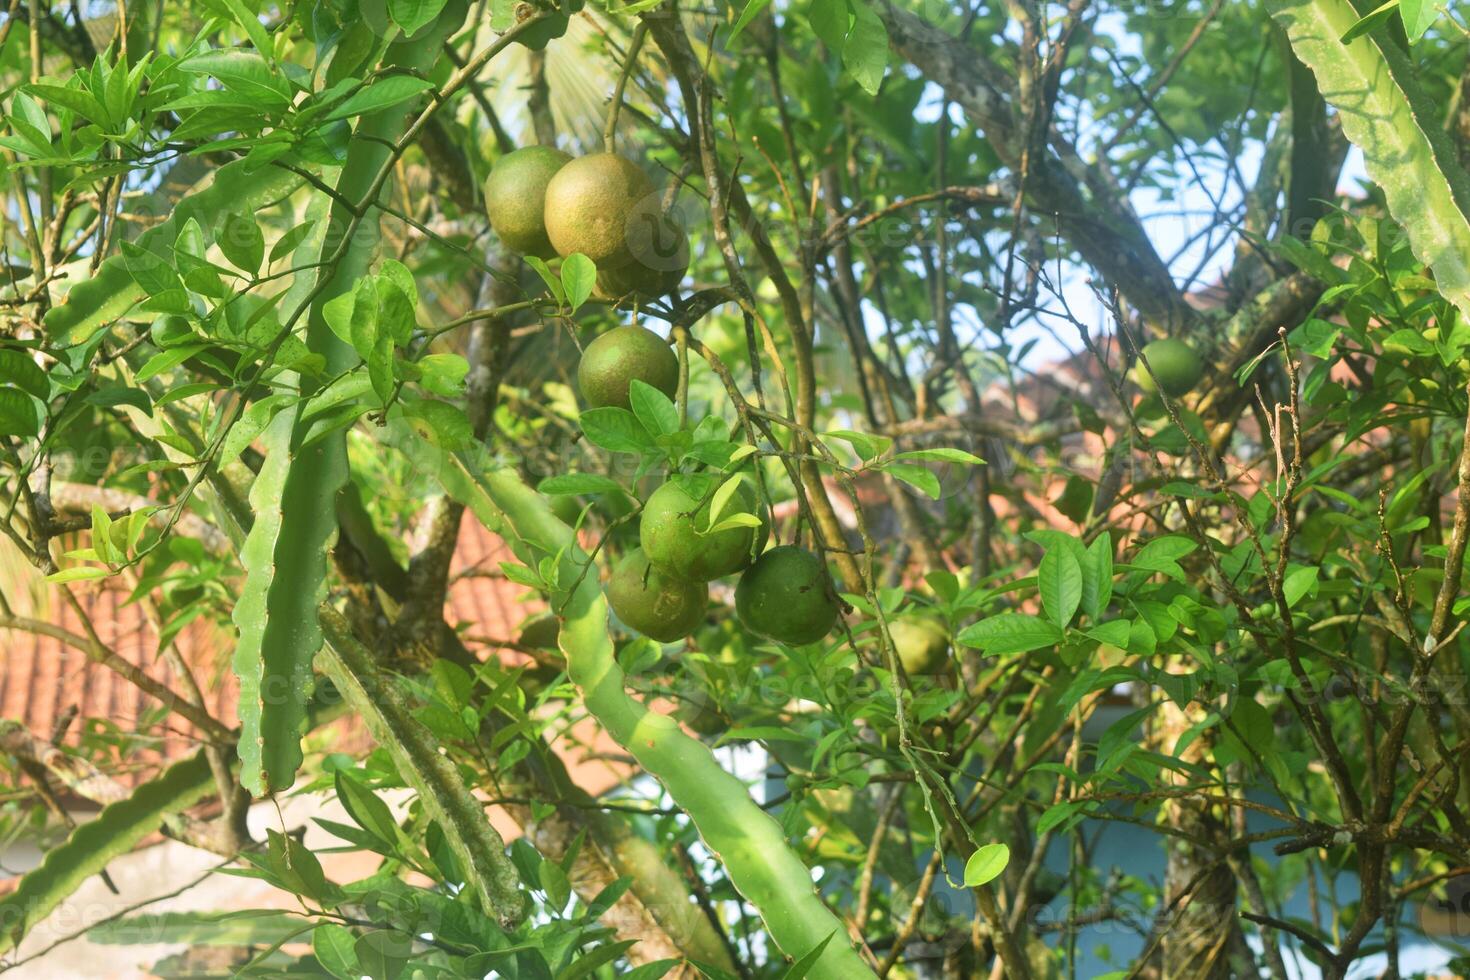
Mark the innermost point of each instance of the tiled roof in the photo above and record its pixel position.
(42, 678)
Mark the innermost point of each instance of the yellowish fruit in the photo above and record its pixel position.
(922, 644)
(588, 206)
(659, 247)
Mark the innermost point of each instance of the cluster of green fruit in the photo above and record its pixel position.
(661, 589)
(545, 203)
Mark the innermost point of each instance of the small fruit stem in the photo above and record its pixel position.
(609, 132)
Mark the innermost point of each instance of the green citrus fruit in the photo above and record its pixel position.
(675, 524)
(659, 606)
(588, 206)
(922, 644)
(660, 256)
(702, 717)
(612, 361)
(1175, 364)
(787, 596)
(515, 197)
(567, 508)
(540, 632)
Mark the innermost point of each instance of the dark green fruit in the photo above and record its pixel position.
(659, 606)
(787, 596)
(568, 509)
(674, 521)
(515, 197)
(922, 644)
(660, 250)
(702, 717)
(588, 206)
(540, 632)
(612, 361)
(1175, 364)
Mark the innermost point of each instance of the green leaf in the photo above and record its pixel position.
(101, 534)
(653, 408)
(803, 966)
(72, 97)
(18, 415)
(865, 52)
(253, 27)
(921, 479)
(986, 864)
(722, 497)
(830, 21)
(1097, 577)
(585, 964)
(380, 368)
(166, 360)
(547, 276)
(383, 953)
(113, 395)
(249, 927)
(1011, 633)
(240, 239)
(149, 271)
(365, 808)
(443, 374)
(752, 8)
(1162, 554)
(1419, 16)
(382, 94)
(735, 520)
(362, 329)
(1114, 632)
(866, 445)
(81, 573)
(578, 276)
(1375, 89)
(117, 829)
(942, 455)
(332, 945)
(288, 242)
(615, 429)
(412, 15)
(579, 483)
(243, 73)
(1370, 21)
(1298, 582)
(1059, 579)
(251, 423)
(19, 370)
(396, 317)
